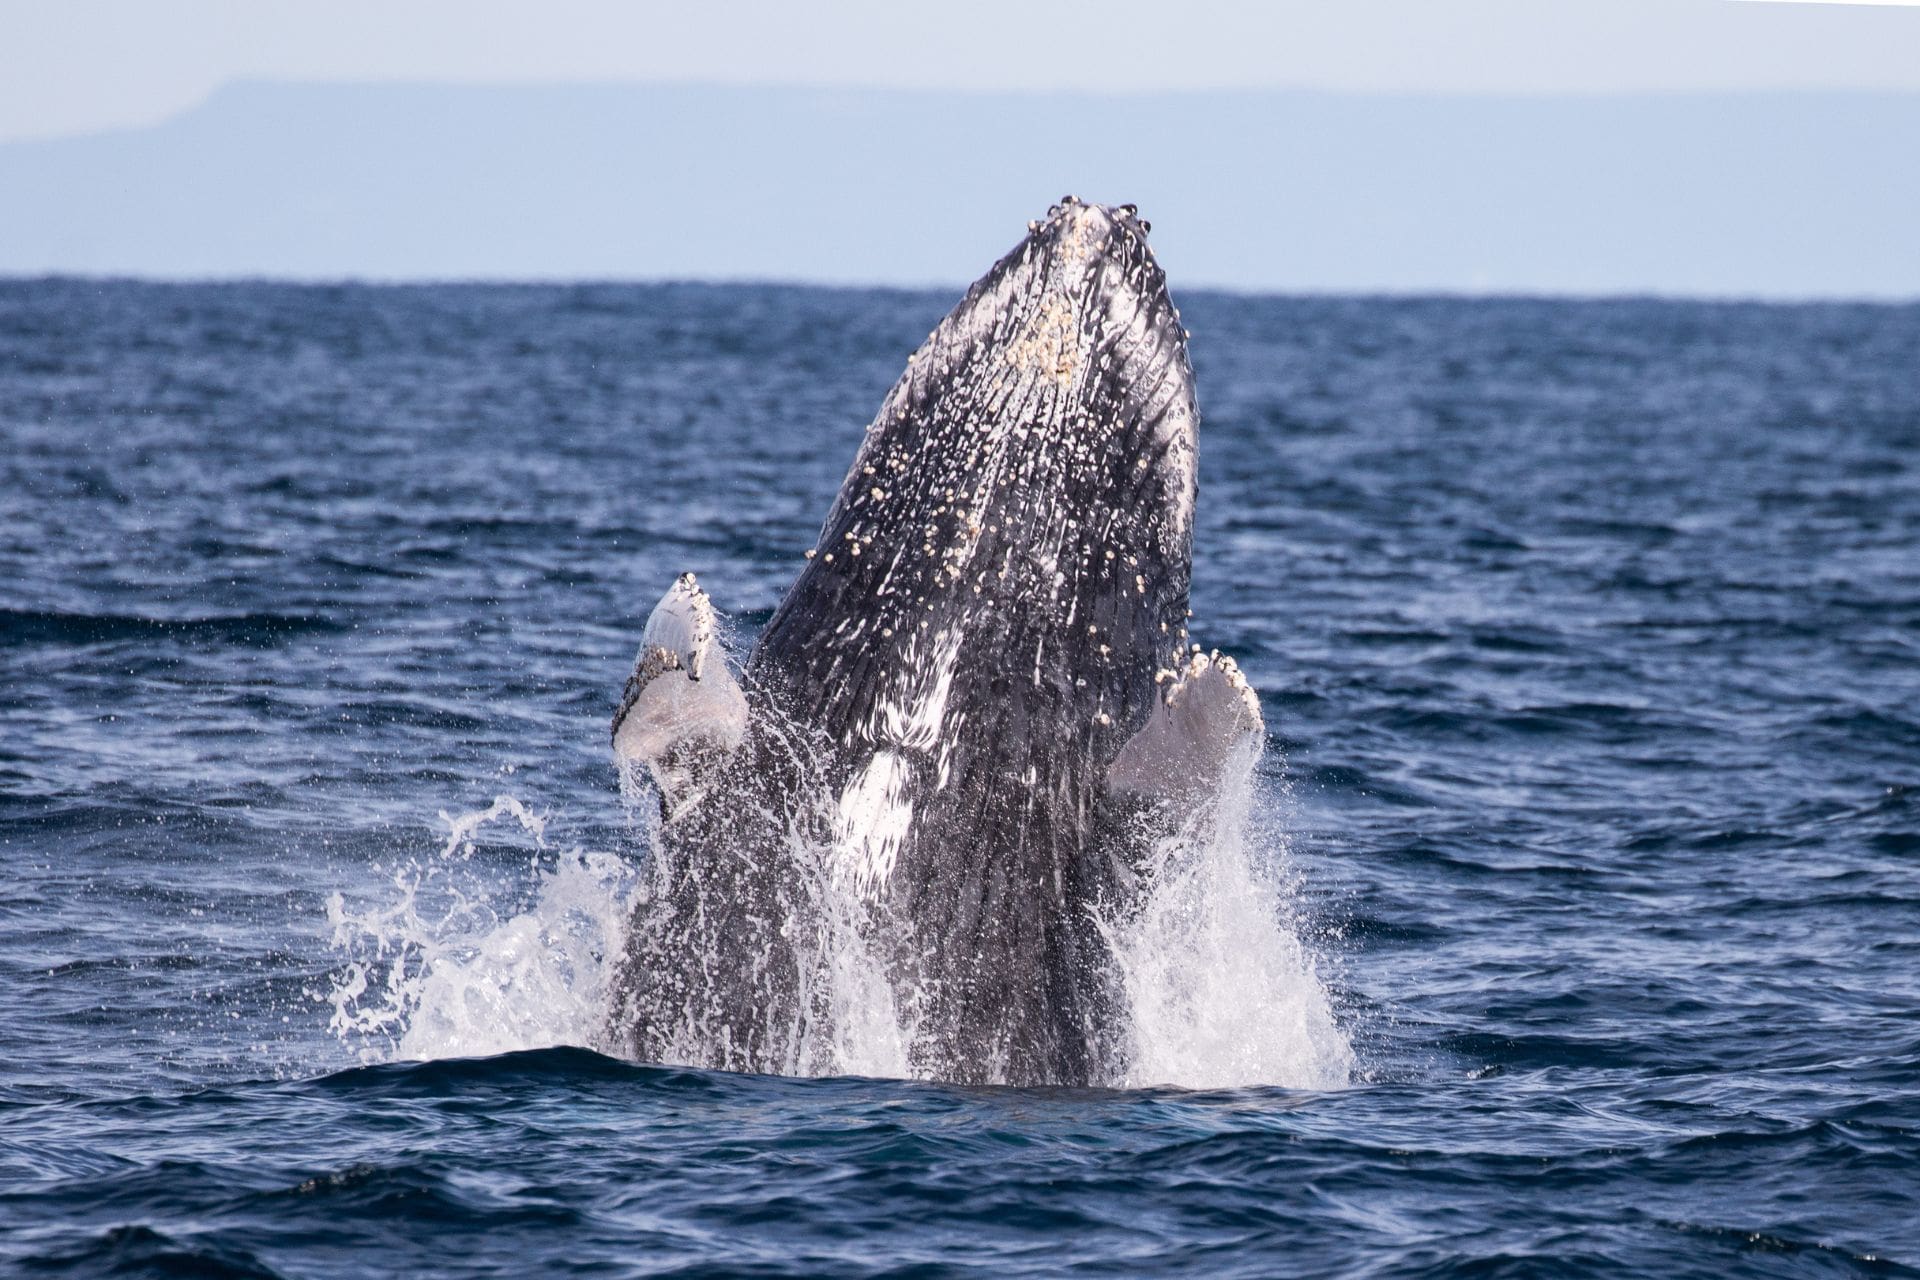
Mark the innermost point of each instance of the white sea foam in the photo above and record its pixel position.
(1221, 991)
(449, 969)
(852, 1022)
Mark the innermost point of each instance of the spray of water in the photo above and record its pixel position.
(449, 969)
(1219, 989)
(1220, 992)
(757, 956)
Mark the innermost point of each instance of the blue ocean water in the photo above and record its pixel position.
(1588, 635)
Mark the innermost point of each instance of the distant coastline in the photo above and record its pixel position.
(1748, 195)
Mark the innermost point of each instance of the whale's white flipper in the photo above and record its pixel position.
(1206, 711)
(683, 712)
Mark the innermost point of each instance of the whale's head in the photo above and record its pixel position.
(1018, 520)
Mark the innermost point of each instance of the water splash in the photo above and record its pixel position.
(466, 963)
(772, 907)
(1220, 991)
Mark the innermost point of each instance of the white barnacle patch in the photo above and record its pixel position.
(682, 625)
(1050, 348)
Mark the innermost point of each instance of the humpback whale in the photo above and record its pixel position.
(974, 712)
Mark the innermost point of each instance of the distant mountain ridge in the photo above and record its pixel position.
(1772, 195)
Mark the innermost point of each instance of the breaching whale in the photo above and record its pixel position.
(977, 707)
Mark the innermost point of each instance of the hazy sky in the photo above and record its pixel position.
(76, 66)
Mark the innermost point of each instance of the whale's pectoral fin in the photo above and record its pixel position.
(683, 712)
(1206, 712)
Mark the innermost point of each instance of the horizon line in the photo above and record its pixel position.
(1437, 294)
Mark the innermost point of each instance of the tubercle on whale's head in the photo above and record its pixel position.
(1086, 266)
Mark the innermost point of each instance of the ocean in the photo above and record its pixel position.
(1569, 924)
